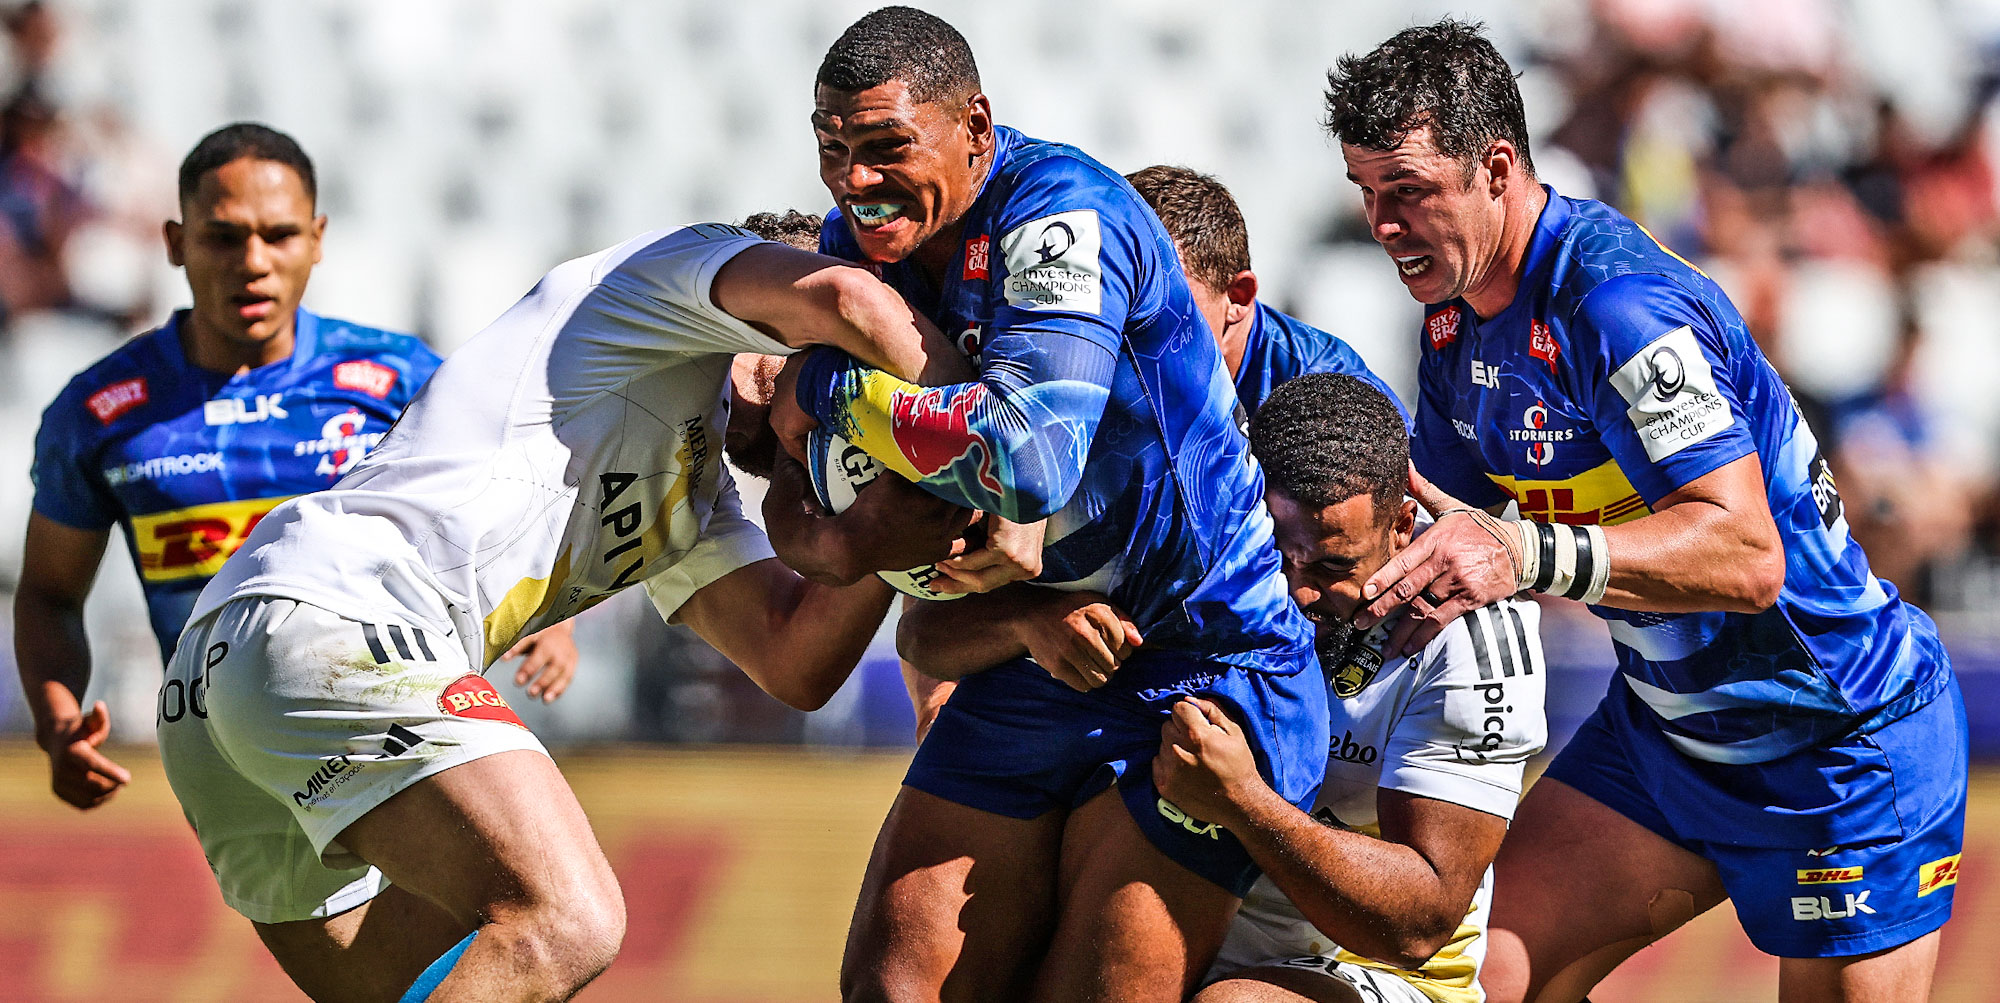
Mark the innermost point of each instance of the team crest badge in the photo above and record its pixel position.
(1350, 672)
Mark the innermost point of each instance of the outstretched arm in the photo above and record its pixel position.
(1710, 545)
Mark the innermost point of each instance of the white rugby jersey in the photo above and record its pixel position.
(571, 449)
(1456, 723)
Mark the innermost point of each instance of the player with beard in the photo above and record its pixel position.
(362, 794)
(1028, 854)
(1783, 731)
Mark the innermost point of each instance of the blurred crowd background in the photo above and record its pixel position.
(1831, 162)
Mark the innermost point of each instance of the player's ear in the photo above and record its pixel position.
(979, 124)
(319, 235)
(170, 233)
(1406, 522)
(1501, 163)
(1242, 295)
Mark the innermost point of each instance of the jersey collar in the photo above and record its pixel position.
(1542, 248)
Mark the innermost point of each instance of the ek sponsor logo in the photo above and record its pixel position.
(1485, 375)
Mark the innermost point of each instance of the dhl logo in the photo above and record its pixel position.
(1599, 496)
(1830, 876)
(1937, 874)
(194, 542)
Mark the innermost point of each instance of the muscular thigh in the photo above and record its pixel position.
(1134, 924)
(1578, 888)
(956, 904)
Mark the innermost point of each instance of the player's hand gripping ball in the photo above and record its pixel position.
(838, 469)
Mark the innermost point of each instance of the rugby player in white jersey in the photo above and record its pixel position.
(1382, 894)
(363, 795)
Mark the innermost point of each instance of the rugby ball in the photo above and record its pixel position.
(838, 469)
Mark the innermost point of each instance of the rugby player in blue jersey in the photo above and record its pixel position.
(1028, 854)
(1783, 730)
(185, 436)
(1262, 348)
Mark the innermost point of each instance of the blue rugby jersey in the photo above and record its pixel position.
(1618, 374)
(1282, 347)
(188, 460)
(1103, 405)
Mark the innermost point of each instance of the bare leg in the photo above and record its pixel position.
(1577, 889)
(498, 845)
(1135, 925)
(956, 904)
(1897, 975)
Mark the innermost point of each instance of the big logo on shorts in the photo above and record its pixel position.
(472, 696)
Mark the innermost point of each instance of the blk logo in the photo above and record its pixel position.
(1807, 907)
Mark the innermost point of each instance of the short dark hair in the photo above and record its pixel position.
(798, 229)
(1325, 437)
(901, 43)
(1445, 76)
(237, 140)
(1202, 217)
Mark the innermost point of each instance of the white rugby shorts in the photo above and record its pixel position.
(282, 723)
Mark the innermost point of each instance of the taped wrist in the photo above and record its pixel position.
(1568, 561)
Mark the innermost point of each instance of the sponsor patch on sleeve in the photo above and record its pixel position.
(1052, 263)
(1670, 390)
(107, 404)
(371, 378)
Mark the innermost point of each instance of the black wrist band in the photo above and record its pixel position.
(1586, 564)
(1546, 574)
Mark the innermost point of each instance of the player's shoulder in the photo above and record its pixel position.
(338, 334)
(1610, 268)
(139, 372)
(1497, 642)
(1039, 172)
(1316, 350)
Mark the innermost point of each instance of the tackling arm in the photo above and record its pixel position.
(803, 299)
(1397, 899)
(796, 639)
